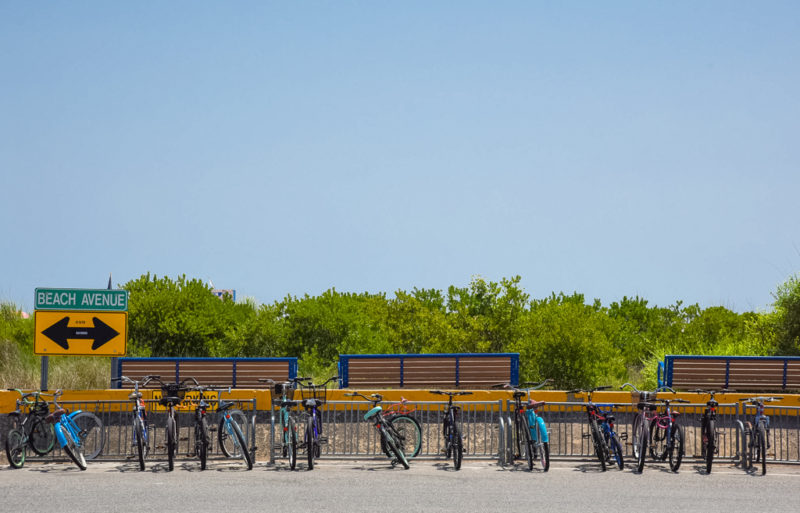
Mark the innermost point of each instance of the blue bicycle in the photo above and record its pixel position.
(313, 397)
(74, 430)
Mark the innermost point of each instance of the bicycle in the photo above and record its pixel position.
(453, 441)
(32, 430)
(288, 430)
(313, 397)
(141, 438)
(529, 428)
(172, 395)
(73, 430)
(708, 429)
(230, 435)
(641, 423)
(667, 436)
(607, 445)
(757, 433)
(391, 440)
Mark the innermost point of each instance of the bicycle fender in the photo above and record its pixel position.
(62, 439)
(72, 415)
(542, 428)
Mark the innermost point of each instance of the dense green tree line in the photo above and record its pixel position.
(565, 337)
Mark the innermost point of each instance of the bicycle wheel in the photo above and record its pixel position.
(15, 448)
(92, 434)
(637, 420)
(761, 443)
(542, 448)
(310, 442)
(676, 448)
(458, 450)
(138, 433)
(710, 443)
(747, 447)
(291, 444)
(394, 448)
(616, 450)
(641, 445)
(526, 442)
(410, 434)
(201, 441)
(42, 436)
(243, 449)
(599, 444)
(658, 441)
(172, 439)
(73, 449)
(225, 439)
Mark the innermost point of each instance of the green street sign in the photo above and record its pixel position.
(97, 300)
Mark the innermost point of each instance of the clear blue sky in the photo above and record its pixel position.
(609, 148)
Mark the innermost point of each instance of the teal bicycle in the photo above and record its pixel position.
(75, 432)
(284, 392)
(530, 432)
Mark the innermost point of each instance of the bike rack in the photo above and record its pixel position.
(501, 449)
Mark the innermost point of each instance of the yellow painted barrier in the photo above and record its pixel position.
(264, 397)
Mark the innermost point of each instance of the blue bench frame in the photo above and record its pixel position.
(665, 370)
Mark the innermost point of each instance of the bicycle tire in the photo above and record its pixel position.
(72, 449)
(171, 442)
(201, 442)
(237, 431)
(410, 432)
(641, 445)
(15, 448)
(310, 442)
(544, 456)
(458, 450)
(747, 447)
(226, 444)
(394, 449)
(636, 431)
(599, 444)
(761, 440)
(658, 441)
(526, 438)
(42, 436)
(676, 449)
(92, 433)
(616, 448)
(711, 443)
(138, 432)
(291, 444)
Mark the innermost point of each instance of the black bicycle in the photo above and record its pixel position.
(172, 395)
(605, 439)
(756, 433)
(141, 436)
(453, 440)
(30, 428)
(708, 428)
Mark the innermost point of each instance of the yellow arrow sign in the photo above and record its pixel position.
(80, 333)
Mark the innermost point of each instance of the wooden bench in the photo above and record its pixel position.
(740, 373)
(467, 370)
(232, 372)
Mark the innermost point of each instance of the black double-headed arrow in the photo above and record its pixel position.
(100, 333)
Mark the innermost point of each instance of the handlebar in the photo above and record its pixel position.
(760, 399)
(451, 394)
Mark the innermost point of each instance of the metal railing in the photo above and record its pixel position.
(349, 435)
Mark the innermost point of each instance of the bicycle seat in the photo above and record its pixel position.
(170, 401)
(536, 404)
(312, 403)
(224, 405)
(135, 395)
(520, 394)
(53, 417)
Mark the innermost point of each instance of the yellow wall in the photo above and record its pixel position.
(264, 397)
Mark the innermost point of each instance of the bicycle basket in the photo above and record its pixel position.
(318, 392)
(643, 397)
(172, 391)
(41, 409)
(279, 389)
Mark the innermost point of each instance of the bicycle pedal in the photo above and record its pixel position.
(323, 440)
(277, 447)
(623, 436)
(586, 435)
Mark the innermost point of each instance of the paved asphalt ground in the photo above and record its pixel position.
(372, 485)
